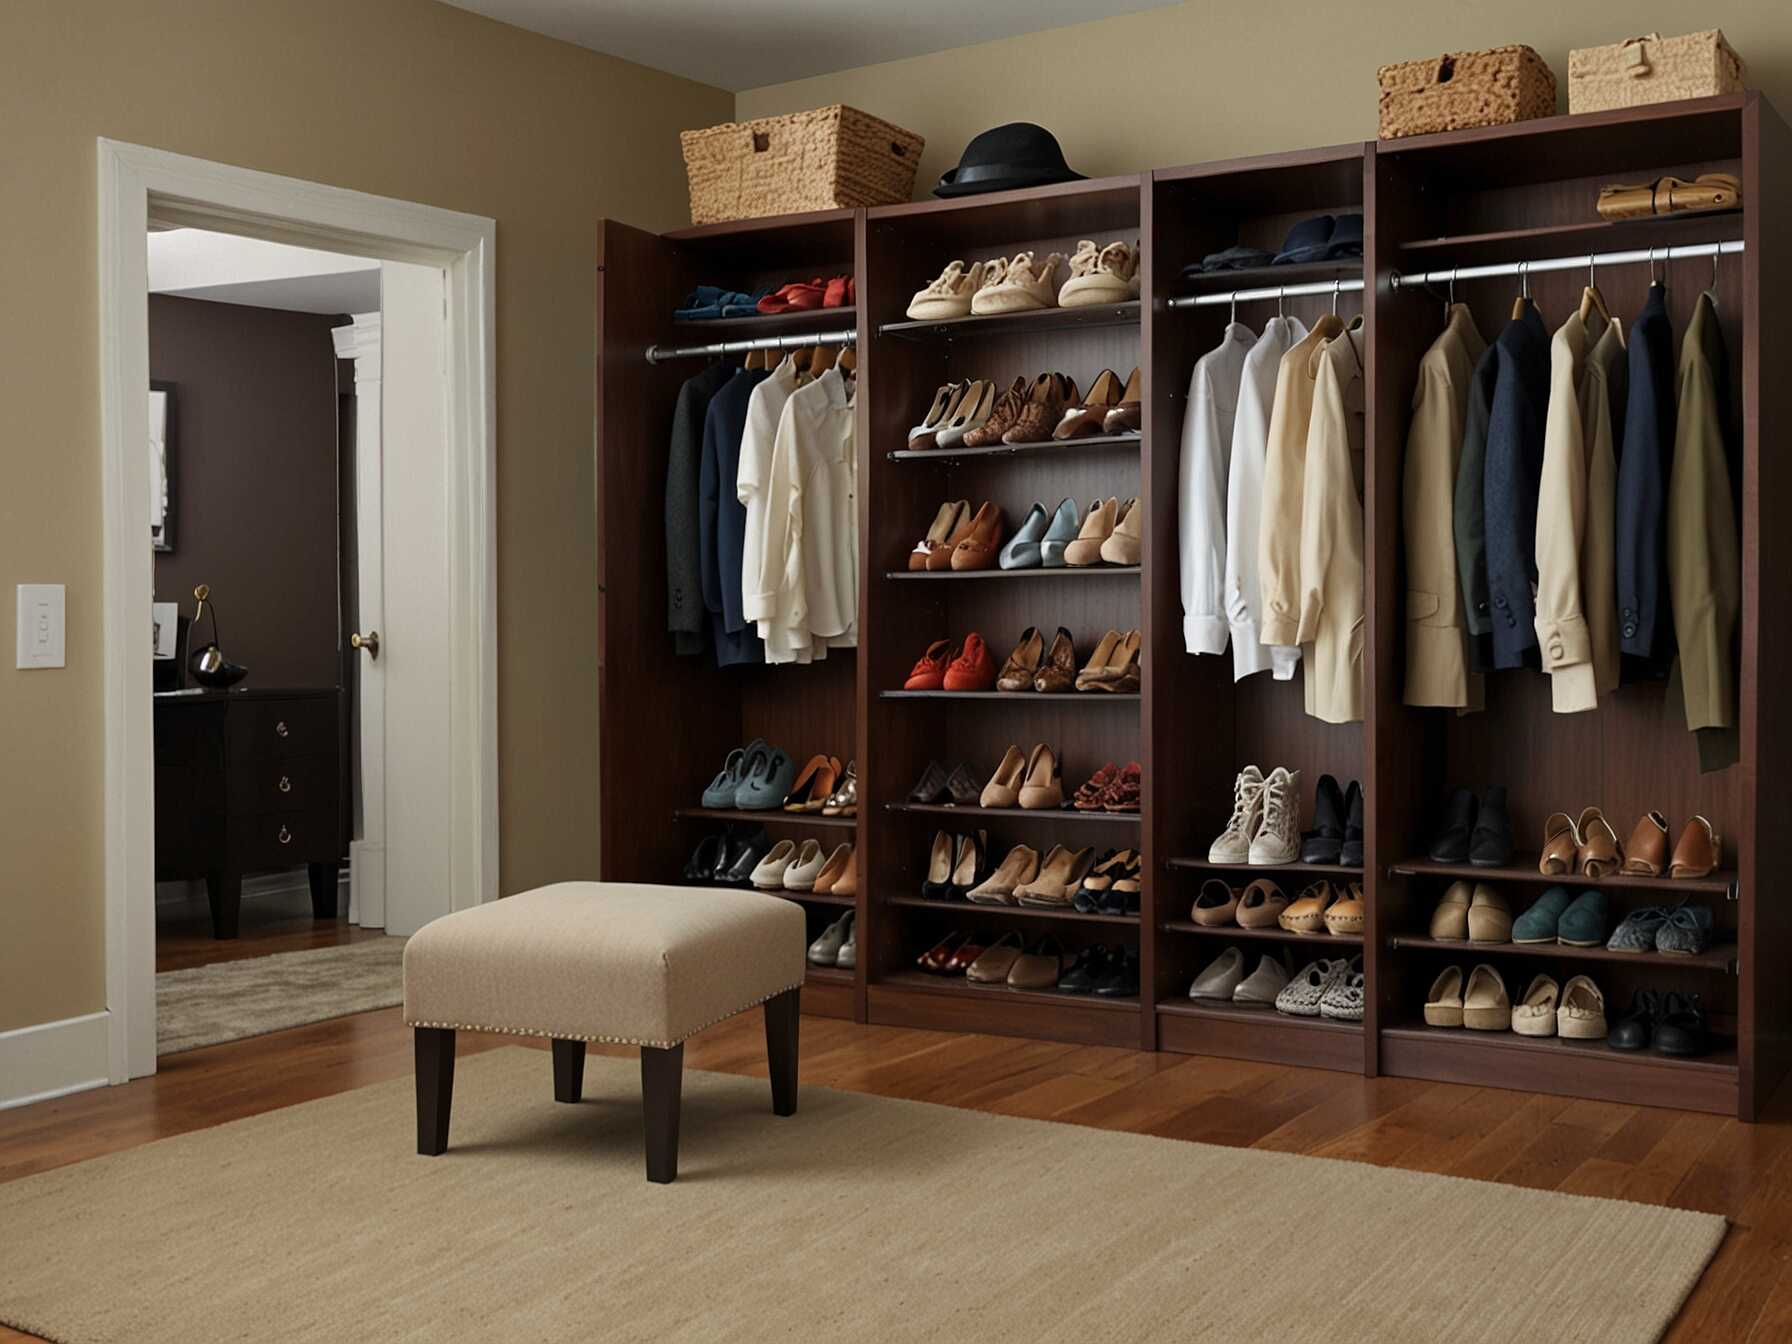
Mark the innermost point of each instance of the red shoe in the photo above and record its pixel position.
(852, 290)
(1123, 794)
(794, 297)
(973, 669)
(929, 672)
(837, 293)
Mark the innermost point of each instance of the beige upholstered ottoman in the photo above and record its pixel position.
(621, 962)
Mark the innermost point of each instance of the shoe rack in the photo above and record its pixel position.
(1502, 194)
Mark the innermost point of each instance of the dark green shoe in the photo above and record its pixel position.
(1539, 923)
(1583, 923)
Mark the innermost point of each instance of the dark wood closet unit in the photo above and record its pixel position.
(1495, 196)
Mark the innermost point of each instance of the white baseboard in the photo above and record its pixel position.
(53, 1059)
(367, 869)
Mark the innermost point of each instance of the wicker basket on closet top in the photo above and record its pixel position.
(1653, 69)
(1457, 91)
(831, 158)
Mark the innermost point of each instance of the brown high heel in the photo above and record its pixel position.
(1087, 419)
(813, 785)
(1096, 529)
(1001, 419)
(1057, 673)
(945, 523)
(1023, 664)
(1128, 417)
(1092, 670)
(1050, 394)
(980, 546)
(1042, 786)
(940, 557)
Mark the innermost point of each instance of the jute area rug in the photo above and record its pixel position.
(229, 1000)
(859, 1218)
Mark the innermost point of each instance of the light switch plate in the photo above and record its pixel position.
(42, 627)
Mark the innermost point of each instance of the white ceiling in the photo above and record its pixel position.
(751, 43)
(220, 267)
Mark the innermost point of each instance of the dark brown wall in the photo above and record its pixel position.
(255, 481)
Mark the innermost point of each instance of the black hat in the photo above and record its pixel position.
(1307, 241)
(1019, 154)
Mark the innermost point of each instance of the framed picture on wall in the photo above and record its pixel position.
(161, 464)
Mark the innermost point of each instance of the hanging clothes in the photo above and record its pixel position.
(1207, 430)
(1509, 485)
(1704, 556)
(1332, 613)
(1575, 516)
(1469, 520)
(1244, 502)
(1437, 671)
(686, 615)
(1284, 474)
(722, 520)
(765, 529)
(1645, 625)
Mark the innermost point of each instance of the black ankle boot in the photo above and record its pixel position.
(1452, 840)
(1491, 844)
(1350, 854)
(1326, 839)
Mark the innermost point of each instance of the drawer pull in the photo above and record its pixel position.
(280, 728)
(285, 784)
(285, 836)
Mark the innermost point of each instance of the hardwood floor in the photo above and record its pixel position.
(1593, 1148)
(271, 922)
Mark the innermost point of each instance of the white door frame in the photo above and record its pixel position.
(135, 184)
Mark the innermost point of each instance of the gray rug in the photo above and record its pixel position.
(227, 1001)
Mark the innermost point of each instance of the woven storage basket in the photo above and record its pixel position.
(832, 158)
(1471, 88)
(1653, 69)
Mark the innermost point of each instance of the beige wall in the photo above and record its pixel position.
(1213, 80)
(405, 98)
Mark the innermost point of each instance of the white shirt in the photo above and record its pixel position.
(813, 585)
(1244, 502)
(767, 528)
(1201, 488)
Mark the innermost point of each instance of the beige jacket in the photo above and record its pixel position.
(1436, 642)
(1284, 473)
(1704, 552)
(1331, 534)
(1577, 603)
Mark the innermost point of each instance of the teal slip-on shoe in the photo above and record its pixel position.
(1583, 923)
(1539, 923)
(1067, 521)
(767, 784)
(1022, 550)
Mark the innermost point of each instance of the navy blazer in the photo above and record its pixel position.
(722, 520)
(1509, 484)
(1470, 521)
(1645, 623)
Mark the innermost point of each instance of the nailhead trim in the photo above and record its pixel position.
(601, 1039)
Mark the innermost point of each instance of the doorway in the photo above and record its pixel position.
(429, 816)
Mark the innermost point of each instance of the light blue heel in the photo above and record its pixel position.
(1067, 521)
(1022, 550)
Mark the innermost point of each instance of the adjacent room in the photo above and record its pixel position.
(783, 632)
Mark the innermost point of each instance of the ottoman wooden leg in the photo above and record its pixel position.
(435, 1088)
(662, 1080)
(569, 1070)
(781, 1021)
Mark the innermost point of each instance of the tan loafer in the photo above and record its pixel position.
(1489, 916)
(992, 967)
(1307, 913)
(1443, 1006)
(1020, 867)
(1348, 916)
(1561, 845)
(1485, 1003)
(1449, 922)
(1039, 966)
(1216, 904)
(1600, 853)
(1261, 905)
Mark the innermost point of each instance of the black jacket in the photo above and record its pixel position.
(1645, 623)
(1509, 482)
(1469, 523)
(686, 616)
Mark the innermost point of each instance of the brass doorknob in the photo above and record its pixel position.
(369, 641)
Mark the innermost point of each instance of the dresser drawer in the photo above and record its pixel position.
(281, 840)
(283, 784)
(262, 730)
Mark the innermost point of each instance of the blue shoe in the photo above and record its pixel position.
(1067, 522)
(723, 787)
(1638, 931)
(1022, 550)
(1583, 923)
(1538, 923)
(767, 782)
(1687, 931)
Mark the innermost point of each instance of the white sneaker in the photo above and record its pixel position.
(1101, 275)
(1024, 284)
(1277, 840)
(769, 875)
(825, 950)
(805, 867)
(950, 295)
(1234, 843)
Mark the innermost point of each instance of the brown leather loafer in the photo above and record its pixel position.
(1561, 845)
(1086, 419)
(1647, 853)
(1600, 853)
(1699, 850)
(979, 548)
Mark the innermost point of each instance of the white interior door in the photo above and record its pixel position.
(401, 870)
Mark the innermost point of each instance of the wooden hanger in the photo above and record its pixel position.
(1591, 300)
(1523, 301)
(821, 359)
(756, 359)
(847, 361)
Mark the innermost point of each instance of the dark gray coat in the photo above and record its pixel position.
(1510, 480)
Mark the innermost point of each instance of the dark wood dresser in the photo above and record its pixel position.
(247, 781)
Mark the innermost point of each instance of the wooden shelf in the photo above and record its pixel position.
(1195, 1027)
(1013, 813)
(1016, 697)
(770, 816)
(1036, 572)
(1590, 235)
(1319, 869)
(974, 910)
(1029, 322)
(1719, 883)
(828, 975)
(1277, 935)
(1718, 957)
(958, 987)
(767, 324)
(1227, 1012)
(1268, 277)
(810, 898)
(1049, 448)
(1590, 1054)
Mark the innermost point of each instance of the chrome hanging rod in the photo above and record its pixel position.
(1277, 292)
(795, 341)
(1594, 261)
